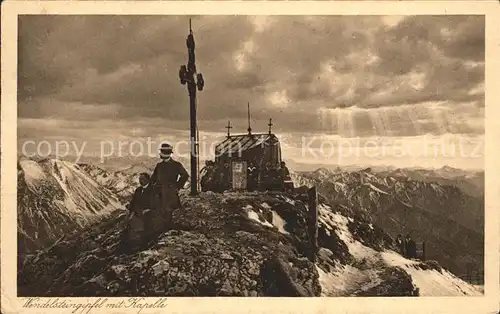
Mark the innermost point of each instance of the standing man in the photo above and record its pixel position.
(285, 179)
(207, 176)
(216, 179)
(169, 177)
(400, 243)
(251, 176)
(225, 177)
(284, 172)
(266, 177)
(411, 247)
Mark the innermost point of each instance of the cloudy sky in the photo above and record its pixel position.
(393, 84)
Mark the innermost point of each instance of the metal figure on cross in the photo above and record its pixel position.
(187, 74)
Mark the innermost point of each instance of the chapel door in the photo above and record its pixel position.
(239, 175)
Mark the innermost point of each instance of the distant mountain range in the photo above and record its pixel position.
(448, 219)
(470, 181)
(127, 164)
(122, 183)
(312, 166)
(55, 198)
(237, 244)
(443, 206)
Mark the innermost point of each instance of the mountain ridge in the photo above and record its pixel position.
(447, 218)
(237, 244)
(356, 257)
(56, 197)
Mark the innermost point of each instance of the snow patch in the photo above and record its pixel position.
(394, 259)
(434, 283)
(376, 189)
(289, 201)
(337, 281)
(346, 279)
(324, 208)
(279, 223)
(254, 216)
(360, 251)
(32, 171)
(339, 222)
(339, 186)
(431, 282)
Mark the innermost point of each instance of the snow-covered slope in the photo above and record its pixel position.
(372, 265)
(447, 219)
(56, 197)
(431, 279)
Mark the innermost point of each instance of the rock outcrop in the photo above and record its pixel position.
(224, 245)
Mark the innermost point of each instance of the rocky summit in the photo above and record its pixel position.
(222, 245)
(235, 244)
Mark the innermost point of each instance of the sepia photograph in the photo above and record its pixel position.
(219, 155)
(199, 157)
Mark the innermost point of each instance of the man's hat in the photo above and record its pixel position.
(165, 150)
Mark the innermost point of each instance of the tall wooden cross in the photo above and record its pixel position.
(270, 125)
(194, 81)
(228, 127)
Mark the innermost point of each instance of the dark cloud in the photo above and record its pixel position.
(288, 67)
